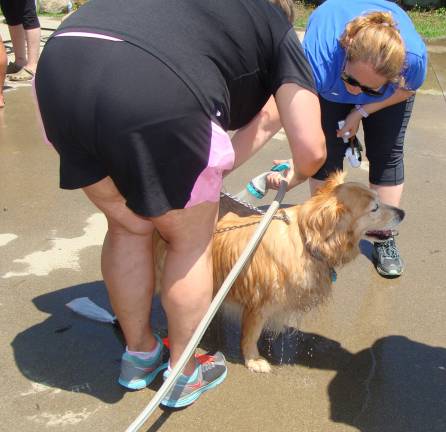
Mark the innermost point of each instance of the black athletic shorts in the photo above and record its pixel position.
(384, 133)
(18, 12)
(112, 109)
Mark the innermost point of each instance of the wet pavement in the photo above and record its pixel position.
(372, 359)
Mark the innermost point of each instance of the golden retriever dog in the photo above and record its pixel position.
(292, 269)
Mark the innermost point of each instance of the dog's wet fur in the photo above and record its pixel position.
(291, 269)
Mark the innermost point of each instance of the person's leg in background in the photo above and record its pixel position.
(32, 30)
(331, 113)
(24, 28)
(11, 11)
(384, 133)
(18, 40)
(3, 63)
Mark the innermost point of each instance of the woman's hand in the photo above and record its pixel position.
(351, 125)
(290, 175)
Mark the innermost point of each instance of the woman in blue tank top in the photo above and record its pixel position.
(367, 61)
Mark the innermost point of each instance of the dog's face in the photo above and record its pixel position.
(340, 214)
(370, 218)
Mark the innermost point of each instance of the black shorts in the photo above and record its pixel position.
(111, 109)
(384, 133)
(18, 12)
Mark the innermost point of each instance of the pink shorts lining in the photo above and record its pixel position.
(221, 158)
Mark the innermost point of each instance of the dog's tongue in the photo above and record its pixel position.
(382, 234)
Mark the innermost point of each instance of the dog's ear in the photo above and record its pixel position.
(335, 179)
(325, 223)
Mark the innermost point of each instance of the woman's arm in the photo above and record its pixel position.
(400, 95)
(298, 110)
(252, 137)
(300, 115)
(354, 118)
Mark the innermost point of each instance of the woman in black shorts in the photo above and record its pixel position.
(137, 102)
(368, 61)
(24, 28)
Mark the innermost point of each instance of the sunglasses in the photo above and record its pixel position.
(367, 90)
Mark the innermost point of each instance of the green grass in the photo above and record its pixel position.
(429, 23)
(52, 15)
(303, 11)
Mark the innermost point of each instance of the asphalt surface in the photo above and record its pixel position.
(372, 359)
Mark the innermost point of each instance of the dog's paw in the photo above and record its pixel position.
(258, 365)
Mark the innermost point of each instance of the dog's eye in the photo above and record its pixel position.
(374, 209)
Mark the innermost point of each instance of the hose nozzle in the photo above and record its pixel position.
(257, 186)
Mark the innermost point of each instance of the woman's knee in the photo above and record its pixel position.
(188, 228)
(106, 197)
(118, 225)
(387, 174)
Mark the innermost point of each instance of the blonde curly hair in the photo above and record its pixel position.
(374, 38)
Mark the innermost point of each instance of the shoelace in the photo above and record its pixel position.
(389, 249)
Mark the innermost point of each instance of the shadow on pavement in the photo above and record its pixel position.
(366, 249)
(396, 385)
(70, 352)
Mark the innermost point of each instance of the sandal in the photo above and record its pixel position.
(13, 68)
(22, 75)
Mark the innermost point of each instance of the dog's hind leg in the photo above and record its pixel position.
(252, 325)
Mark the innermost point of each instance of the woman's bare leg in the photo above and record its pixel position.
(187, 278)
(390, 195)
(314, 185)
(127, 265)
(18, 40)
(32, 37)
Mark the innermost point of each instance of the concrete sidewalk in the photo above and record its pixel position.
(436, 80)
(373, 359)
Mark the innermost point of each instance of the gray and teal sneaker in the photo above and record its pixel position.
(210, 372)
(137, 373)
(386, 257)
